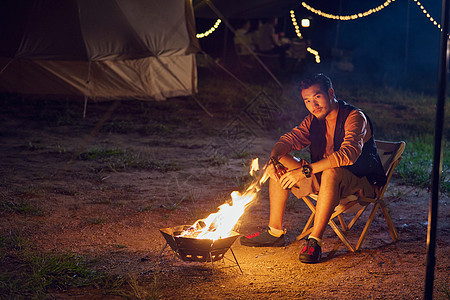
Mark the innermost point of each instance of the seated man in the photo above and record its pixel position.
(243, 40)
(344, 162)
(267, 40)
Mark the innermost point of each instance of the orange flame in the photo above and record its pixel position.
(220, 224)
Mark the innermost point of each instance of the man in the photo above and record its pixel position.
(344, 161)
(268, 41)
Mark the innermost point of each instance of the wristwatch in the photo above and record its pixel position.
(307, 171)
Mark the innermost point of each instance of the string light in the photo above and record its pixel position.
(349, 17)
(315, 53)
(299, 34)
(294, 22)
(211, 30)
(432, 20)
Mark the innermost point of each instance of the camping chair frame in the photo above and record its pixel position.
(390, 154)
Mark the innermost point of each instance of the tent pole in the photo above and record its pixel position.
(86, 93)
(437, 161)
(7, 64)
(405, 62)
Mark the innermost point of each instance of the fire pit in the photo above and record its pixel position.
(198, 250)
(208, 239)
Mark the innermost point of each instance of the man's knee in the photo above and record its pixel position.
(335, 174)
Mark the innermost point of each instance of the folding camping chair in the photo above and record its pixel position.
(390, 154)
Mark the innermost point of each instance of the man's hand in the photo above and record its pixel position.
(289, 179)
(270, 170)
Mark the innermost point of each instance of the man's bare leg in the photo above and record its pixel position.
(327, 200)
(278, 195)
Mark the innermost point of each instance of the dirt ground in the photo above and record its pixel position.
(111, 211)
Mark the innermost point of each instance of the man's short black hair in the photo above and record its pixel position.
(321, 79)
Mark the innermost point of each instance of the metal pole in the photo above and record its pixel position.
(405, 63)
(437, 159)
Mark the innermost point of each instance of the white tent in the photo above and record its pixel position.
(101, 49)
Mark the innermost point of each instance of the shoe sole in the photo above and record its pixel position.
(308, 260)
(262, 245)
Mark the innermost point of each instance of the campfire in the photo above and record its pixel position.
(208, 239)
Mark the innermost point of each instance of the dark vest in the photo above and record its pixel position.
(368, 163)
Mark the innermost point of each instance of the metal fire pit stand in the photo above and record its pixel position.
(198, 250)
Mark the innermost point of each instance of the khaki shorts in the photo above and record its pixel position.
(350, 184)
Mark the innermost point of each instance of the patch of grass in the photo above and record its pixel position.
(118, 127)
(14, 240)
(395, 113)
(146, 208)
(154, 128)
(26, 273)
(20, 207)
(33, 191)
(117, 159)
(216, 160)
(416, 165)
(32, 146)
(60, 149)
(240, 154)
(129, 287)
(57, 114)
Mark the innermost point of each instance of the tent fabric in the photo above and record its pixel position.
(118, 49)
(149, 78)
(248, 9)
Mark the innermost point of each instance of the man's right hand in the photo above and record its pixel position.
(271, 172)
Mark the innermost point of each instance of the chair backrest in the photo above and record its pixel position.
(390, 154)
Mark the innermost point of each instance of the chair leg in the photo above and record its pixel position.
(341, 235)
(389, 222)
(343, 223)
(356, 217)
(366, 228)
(308, 227)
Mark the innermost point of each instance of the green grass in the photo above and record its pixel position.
(117, 159)
(26, 273)
(216, 160)
(416, 165)
(20, 207)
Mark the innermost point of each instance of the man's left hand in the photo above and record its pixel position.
(289, 179)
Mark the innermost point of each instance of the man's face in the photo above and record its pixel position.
(317, 101)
